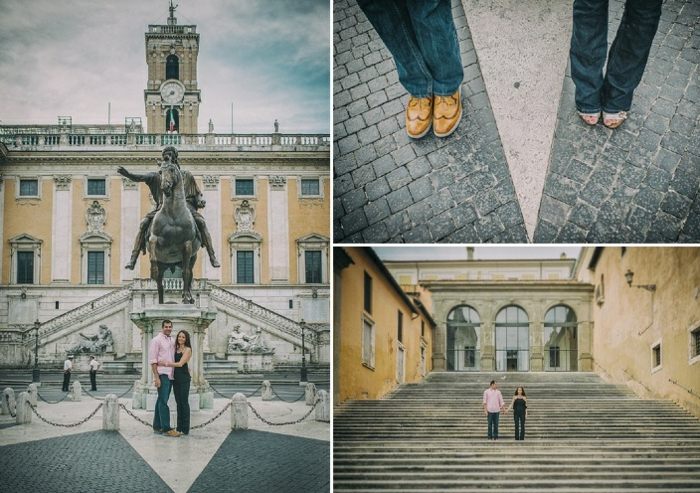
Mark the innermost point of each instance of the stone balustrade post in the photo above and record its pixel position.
(33, 393)
(24, 410)
(76, 392)
(239, 412)
(310, 394)
(266, 390)
(110, 413)
(8, 404)
(323, 408)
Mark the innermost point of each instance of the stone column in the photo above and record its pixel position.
(33, 393)
(278, 229)
(76, 392)
(310, 394)
(585, 344)
(536, 351)
(24, 411)
(130, 220)
(239, 412)
(110, 413)
(266, 390)
(61, 228)
(8, 404)
(488, 349)
(323, 407)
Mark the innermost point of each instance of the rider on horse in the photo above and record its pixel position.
(194, 202)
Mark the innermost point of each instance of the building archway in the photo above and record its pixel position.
(560, 339)
(512, 339)
(463, 348)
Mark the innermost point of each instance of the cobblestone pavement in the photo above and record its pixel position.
(638, 183)
(391, 189)
(267, 462)
(97, 461)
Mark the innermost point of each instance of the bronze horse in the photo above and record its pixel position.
(174, 240)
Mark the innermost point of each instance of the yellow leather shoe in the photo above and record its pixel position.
(419, 116)
(447, 114)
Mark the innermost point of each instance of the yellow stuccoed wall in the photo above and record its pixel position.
(113, 226)
(28, 216)
(306, 216)
(618, 347)
(357, 381)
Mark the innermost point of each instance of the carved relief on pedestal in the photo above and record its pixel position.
(62, 182)
(96, 216)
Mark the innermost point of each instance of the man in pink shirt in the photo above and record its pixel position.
(493, 405)
(162, 347)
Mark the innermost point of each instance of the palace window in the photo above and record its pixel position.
(312, 263)
(554, 361)
(656, 356)
(25, 252)
(400, 327)
(96, 186)
(96, 267)
(368, 293)
(512, 339)
(29, 188)
(245, 187)
(310, 187)
(245, 267)
(367, 343)
(560, 339)
(312, 259)
(463, 332)
(172, 67)
(25, 267)
(695, 342)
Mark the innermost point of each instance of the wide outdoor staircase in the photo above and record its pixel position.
(582, 435)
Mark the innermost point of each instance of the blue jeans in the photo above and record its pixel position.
(421, 36)
(161, 414)
(493, 425)
(627, 58)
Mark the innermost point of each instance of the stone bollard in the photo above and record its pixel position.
(33, 392)
(76, 392)
(266, 390)
(323, 408)
(239, 412)
(24, 411)
(110, 413)
(8, 401)
(310, 394)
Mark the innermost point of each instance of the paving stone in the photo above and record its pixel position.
(399, 178)
(399, 199)
(377, 188)
(376, 233)
(363, 175)
(354, 221)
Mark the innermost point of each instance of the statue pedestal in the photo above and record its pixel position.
(251, 362)
(184, 317)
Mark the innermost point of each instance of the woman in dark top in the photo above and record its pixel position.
(519, 406)
(181, 383)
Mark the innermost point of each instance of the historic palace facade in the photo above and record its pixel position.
(68, 222)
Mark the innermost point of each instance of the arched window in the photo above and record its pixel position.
(172, 67)
(512, 339)
(172, 120)
(560, 341)
(463, 326)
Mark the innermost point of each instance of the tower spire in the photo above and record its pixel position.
(172, 20)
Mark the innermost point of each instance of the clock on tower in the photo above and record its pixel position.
(172, 97)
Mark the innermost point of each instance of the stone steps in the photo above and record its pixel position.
(583, 435)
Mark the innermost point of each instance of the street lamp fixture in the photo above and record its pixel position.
(36, 375)
(629, 276)
(302, 324)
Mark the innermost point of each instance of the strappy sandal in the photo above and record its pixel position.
(615, 119)
(589, 118)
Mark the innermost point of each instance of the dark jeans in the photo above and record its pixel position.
(421, 36)
(627, 58)
(493, 425)
(66, 381)
(161, 414)
(181, 389)
(93, 380)
(519, 425)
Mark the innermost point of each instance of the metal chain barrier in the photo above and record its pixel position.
(285, 400)
(53, 402)
(229, 396)
(286, 423)
(63, 425)
(202, 425)
(13, 414)
(135, 417)
(102, 398)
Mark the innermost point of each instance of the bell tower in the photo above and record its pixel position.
(172, 97)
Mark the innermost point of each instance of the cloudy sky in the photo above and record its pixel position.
(269, 58)
(437, 252)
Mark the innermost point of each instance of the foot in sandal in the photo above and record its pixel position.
(589, 118)
(614, 120)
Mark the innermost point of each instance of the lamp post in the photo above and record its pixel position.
(36, 372)
(303, 352)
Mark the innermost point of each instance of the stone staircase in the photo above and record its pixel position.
(582, 435)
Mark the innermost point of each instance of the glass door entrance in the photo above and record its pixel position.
(512, 340)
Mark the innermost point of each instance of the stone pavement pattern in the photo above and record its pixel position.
(638, 183)
(391, 189)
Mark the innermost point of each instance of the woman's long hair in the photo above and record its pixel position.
(187, 339)
(516, 388)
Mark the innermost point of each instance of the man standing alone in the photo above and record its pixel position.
(162, 347)
(94, 366)
(493, 405)
(67, 368)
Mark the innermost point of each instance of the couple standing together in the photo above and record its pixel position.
(168, 358)
(493, 405)
(421, 36)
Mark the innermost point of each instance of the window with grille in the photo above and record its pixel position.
(312, 263)
(368, 293)
(245, 186)
(96, 268)
(25, 267)
(656, 356)
(400, 327)
(368, 343)
(244, 267)
(29, 188)
(695, 341)
(310, 187)
(96, 186)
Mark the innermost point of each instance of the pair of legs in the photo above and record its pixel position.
(181, 389)
(93, 380)
(161, 414)
(66, 381)
(140, 241)
(493, 425)
(519, 425)
(421, 36)
(612, 91)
